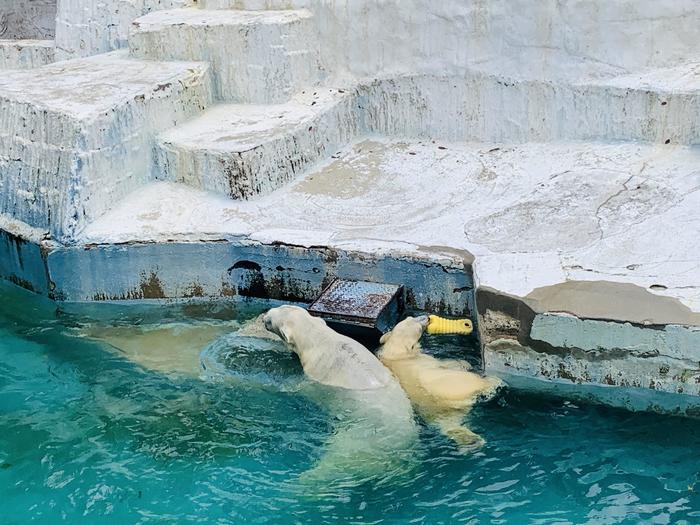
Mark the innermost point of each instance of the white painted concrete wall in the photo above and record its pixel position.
(491, 108)
(383, 37)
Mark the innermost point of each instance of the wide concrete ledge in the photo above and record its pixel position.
(579, 338)
(434, 278)
(241, 267)
(534, 214)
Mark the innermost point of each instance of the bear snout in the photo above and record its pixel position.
(423, 320)
(267, 322)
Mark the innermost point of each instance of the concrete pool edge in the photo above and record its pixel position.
(435, 278)
(537, 342)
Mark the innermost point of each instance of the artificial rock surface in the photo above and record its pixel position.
(255, 56)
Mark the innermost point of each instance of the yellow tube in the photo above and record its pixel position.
(440, 325)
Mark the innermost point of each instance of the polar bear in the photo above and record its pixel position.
(328, 357)
(375, 430)
(442, 390)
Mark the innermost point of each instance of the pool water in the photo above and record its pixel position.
(88, 436)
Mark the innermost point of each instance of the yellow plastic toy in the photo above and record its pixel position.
(440, 325)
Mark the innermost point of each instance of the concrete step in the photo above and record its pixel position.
(654, 104)
(246, 150)
(660, 105)
(77, 136)
(256, 56)
(25, 54)
(255, 5)
(89, 28)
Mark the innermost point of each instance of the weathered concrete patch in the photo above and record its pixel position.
(601, 339)
(627, 397)
(568, 200)
(20, 19)
(572, 374)
(612, 300)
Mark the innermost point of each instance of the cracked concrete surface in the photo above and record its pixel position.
(533, 214)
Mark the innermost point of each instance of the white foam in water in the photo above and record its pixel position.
(259, 360)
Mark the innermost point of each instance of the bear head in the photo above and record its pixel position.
(289, 322)
(403, 340)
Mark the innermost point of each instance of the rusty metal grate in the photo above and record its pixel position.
(359, 303)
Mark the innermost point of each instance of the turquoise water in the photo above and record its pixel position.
(87, 436)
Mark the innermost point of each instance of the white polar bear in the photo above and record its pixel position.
(376, 431)
(442, 390)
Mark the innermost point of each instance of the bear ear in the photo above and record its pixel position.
(384, 338)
